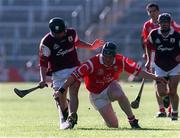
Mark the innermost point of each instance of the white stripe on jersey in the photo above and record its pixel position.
(91, 65)
(150, 39)
(82, 66)
(76, 37)
(123, 63)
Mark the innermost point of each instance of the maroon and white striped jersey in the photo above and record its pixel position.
(59, 54)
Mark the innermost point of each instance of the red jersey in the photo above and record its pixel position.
(148, 26)
(98, 76)
(58, 54)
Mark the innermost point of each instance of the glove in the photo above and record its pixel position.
(42, 84)
(61, 90)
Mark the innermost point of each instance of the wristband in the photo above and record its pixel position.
(61, 90)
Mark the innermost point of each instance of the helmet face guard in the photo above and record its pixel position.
(109, 49)
(164, 18)
(57, 25)
(107, 52)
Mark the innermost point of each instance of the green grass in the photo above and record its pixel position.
(36, 116)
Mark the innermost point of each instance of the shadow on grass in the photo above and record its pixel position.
(123, 129)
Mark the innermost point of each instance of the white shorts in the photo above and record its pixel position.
(161, 73)
(98, 101)
(59, 77)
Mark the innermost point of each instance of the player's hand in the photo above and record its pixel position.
(97, 43)
(144, 56)
(148, 67)
(178, 58)
(161, 79)
(58, 93)
(42, 84)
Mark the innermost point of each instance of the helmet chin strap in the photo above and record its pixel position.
(53, 34)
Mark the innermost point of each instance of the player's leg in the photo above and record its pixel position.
(58, 79)
(74, 102)
(103, 105)
(116, 93)
(173, 85)
(63, 103)
(73, 95)
(109, 116)
(161, 88)
(162, 112)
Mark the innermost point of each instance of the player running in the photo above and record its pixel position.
(153, 11)
(165, 41)
(58, 57)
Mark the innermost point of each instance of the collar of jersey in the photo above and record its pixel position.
(170, 32)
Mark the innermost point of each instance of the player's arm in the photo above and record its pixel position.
(92, 46)
(175, 26)
(68, 83)
(82, 44)
(43, 71)
(77, 75)
(177, 58)
(149, 52)
(144, 36)
(44, 54)
(133, 68)
(148, 75)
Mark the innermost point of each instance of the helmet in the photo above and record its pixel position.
(57, 25)
(164, 17)
(109, 49)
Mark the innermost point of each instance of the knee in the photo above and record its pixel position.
(173, 94)
(161, 93)
(121, 97)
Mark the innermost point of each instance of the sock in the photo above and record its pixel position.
(169, 109)
(161, 108)
(131, 119)
(174, 112)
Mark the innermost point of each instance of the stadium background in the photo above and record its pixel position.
(24, 22)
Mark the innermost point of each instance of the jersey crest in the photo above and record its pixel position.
(157, 41)
(70, 38)
(56, 46)
(100, 72)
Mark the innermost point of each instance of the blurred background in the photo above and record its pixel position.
(24, 22)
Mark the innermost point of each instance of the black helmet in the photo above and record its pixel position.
(164, 17)
(109, 49)
(57, 25)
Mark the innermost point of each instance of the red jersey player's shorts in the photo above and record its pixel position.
(100, 100)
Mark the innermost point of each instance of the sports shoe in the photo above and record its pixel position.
(161, 114)
(174, 116)
(134, 124)
(72, 120)
(166, 101)
(64, 125)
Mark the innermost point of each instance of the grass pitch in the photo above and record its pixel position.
(35, 115)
